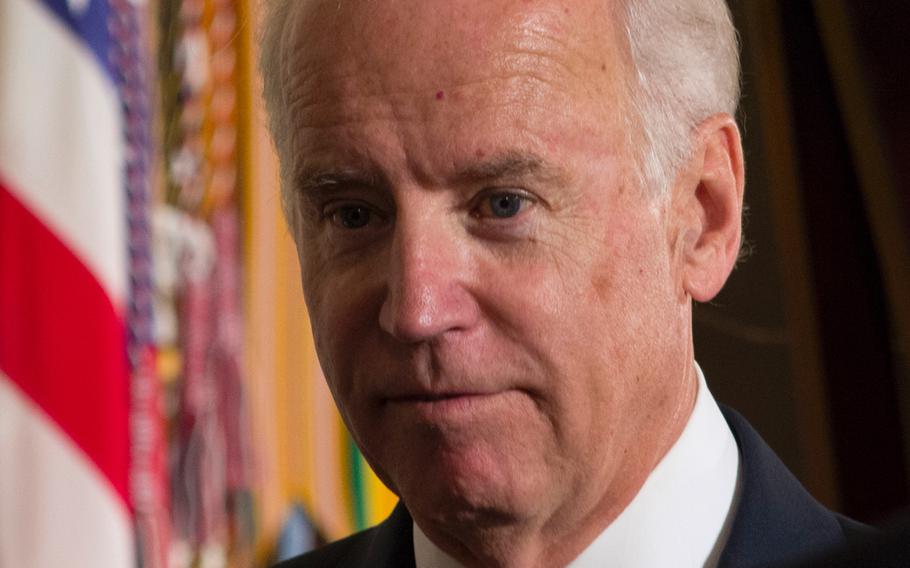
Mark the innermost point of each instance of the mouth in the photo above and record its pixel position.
(450, 405)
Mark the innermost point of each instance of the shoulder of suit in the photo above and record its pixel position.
(388, 544)
(777, 520)
(333, 554)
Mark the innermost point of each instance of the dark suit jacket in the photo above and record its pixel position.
(889, 548)
(776, 522)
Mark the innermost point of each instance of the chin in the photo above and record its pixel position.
(475, 484)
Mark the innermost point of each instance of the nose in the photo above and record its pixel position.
(427, 294)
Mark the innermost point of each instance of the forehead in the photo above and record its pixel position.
(369, 62)
(458, 27)
(406, 46)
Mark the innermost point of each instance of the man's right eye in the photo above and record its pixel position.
(351, 216)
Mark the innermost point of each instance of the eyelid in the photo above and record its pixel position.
(335, 204)
(330, 211)
(482, 197)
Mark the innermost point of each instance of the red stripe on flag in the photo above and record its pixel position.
(61, 340)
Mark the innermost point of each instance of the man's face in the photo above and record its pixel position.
(495, 300)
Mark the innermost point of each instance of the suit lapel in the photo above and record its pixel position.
(776, 518)
(391, 544)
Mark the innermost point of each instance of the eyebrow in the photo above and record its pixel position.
(510, 165)
(319, 180)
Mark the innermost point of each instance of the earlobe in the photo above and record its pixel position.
(714, 203)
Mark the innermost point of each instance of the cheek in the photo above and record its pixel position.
(633, 269)
(617, 311)
(339, 320)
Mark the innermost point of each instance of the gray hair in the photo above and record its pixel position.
(685, 57)
(685, 67)
(271, 60)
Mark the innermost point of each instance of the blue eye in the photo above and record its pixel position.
(352, 216)
(505, 205)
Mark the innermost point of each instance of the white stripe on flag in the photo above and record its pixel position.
(46, 482)
(61, 139)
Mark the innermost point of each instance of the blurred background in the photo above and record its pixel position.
(160, 402)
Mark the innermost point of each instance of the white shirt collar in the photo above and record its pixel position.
(682, 514)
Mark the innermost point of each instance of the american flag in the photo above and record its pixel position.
(65, 294)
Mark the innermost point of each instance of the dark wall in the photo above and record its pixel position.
(810, 337)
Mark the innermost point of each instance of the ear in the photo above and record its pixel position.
(709, 202)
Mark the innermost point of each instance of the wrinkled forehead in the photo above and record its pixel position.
(407, 46)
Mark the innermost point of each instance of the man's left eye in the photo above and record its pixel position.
(502, 205)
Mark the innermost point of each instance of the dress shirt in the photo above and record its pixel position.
(680, 517)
